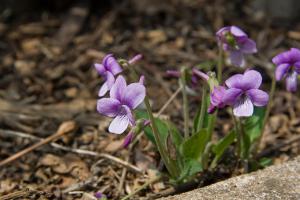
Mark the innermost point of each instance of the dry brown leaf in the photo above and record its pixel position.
(69, 164)
(7, 185)
(114, 146)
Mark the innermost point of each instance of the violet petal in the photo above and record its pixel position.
(234, 81)
(248, 46)
(111, 64)
(281, 70)
(243, 108)
(237, 58)
(211, 109)
(280, 58)
(216, 97)
(294, 55)
(108, 106)
(237, 32)
(135, 59)
(119, 124)
(251, 80)
(103, 89)
(118, 88)
(100, 69)
(291, 82)
(231, 95)
(127, 139)
(142, 80)
(110, 80)
(258, 97)
(297, 67)
(129, 115)
(134, 95)
(200, 74)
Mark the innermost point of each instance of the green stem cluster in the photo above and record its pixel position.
(220, 62)
(185, 103)
(170, 165)
(267, 114)
(160, 146)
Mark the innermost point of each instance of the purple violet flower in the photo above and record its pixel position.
(128, 139)
(135, 59)
(236, 42)
(123, 99)
(98, 195)
(173, 73)
(288, 67)
(195, 75)
(216, 99)
(199, 74)
(243, 92)
(108, 70)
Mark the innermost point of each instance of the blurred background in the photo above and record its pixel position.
(47, 48)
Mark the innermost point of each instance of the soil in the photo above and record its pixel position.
(47, 80)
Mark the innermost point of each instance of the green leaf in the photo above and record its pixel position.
(221, 146)
(194, 146)
(246, 145)
(259, 164)
(175, 135)
(197, 120)
(191, 167)
(264, 162)
(201, 112)
(140, 114)
(161, 126)
(253, 125)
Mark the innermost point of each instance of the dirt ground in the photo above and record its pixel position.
(47, 81)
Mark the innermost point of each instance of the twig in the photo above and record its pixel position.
(87, 195)
(64, 128)
(142, 187)
(79, 185)
(78, 151)
(123, 176)
(17, 194)
(169, 101)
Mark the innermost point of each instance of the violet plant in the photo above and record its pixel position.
(190, 151)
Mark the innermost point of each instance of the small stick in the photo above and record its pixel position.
(169, 101)
(78, 151)
(64, 128)
(142, 187)
(123, 176)
(17, 194)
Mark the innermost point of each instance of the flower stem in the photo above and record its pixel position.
(185, 104)
(212, 118)
(202, 109)
(211, 124)
(237, 132)
(268, 110)
(160, 146)
(220, 62)
(241, 136)
(170, 165)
